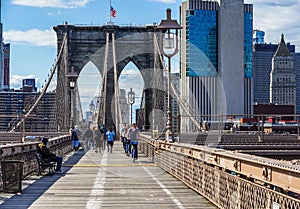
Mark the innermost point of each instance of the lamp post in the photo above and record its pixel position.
(131, 100)
(169, 44)
(72, 76)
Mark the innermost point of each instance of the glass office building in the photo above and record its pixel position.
(202, 47)
(248, 28)
(202, 41)
(216, 57)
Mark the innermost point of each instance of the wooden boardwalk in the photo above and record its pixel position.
(105, 180)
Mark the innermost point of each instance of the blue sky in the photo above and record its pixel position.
(27, 25)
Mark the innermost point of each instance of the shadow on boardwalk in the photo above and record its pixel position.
(35, 186)
(107, 180)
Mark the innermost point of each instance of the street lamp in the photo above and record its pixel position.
(169, 44)
(72, 77)
(131, 100)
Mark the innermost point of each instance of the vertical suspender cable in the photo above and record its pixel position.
(79, 102)
(100, 118)
(45, 87)
(181, 104)
(116, 86)
(66, 98)
(105, 78)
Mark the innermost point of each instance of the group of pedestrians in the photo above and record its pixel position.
(96, 139)
(100, 137)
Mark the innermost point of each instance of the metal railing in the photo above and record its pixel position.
(17, 137)
(226, 178)
(26, 152)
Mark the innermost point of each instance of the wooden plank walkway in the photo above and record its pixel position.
(105, 180)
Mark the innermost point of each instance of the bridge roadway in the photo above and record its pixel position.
(106, 180)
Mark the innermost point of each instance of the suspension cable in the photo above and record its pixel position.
(181, 104)
(44, 89)
(116, 86)
(102, 98)
(79, 102)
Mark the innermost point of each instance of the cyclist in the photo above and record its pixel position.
(133, 135)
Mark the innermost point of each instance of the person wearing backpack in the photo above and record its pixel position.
(88, 138)
(103, 131)
(75, 139)
(98, 139)
(110, 139)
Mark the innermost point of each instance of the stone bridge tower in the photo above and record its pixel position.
(88, 43)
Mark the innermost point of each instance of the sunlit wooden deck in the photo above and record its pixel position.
(105, 180)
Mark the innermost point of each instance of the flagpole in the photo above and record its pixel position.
(109, 11)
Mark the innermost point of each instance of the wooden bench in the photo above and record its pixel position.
(44, 164)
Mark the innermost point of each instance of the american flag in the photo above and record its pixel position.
(113, 12)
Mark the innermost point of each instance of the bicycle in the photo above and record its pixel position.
(134, 151)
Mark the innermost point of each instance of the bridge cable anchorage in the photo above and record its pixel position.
(44, 89)
(116, 86)
(176, 94)
(100, 117)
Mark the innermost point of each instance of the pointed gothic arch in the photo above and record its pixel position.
(89, 43)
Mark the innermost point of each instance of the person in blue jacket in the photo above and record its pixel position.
(110, 139)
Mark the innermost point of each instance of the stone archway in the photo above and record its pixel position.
(88, 43)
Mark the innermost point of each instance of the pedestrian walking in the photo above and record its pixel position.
(110, 139)
(123, 133)
(75, 139)
(103, 131)
(88, 138)
(97, 139)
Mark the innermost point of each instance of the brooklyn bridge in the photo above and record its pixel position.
(217, 165)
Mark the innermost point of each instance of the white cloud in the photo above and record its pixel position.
(89, 83)
(273, 3)
(52, 85)
(132, 78)
(54, 14)
(277, 17)
(33, 37)
(52, 3)
(16, 80)
(165, 1)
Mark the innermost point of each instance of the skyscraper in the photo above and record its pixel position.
(259, 37)
(282, 76)
(4, 59)
(1, 51)
(216, 56)
(6, 66)
(125, 107)
(262, 67)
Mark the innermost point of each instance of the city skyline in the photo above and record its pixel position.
(27, 26)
